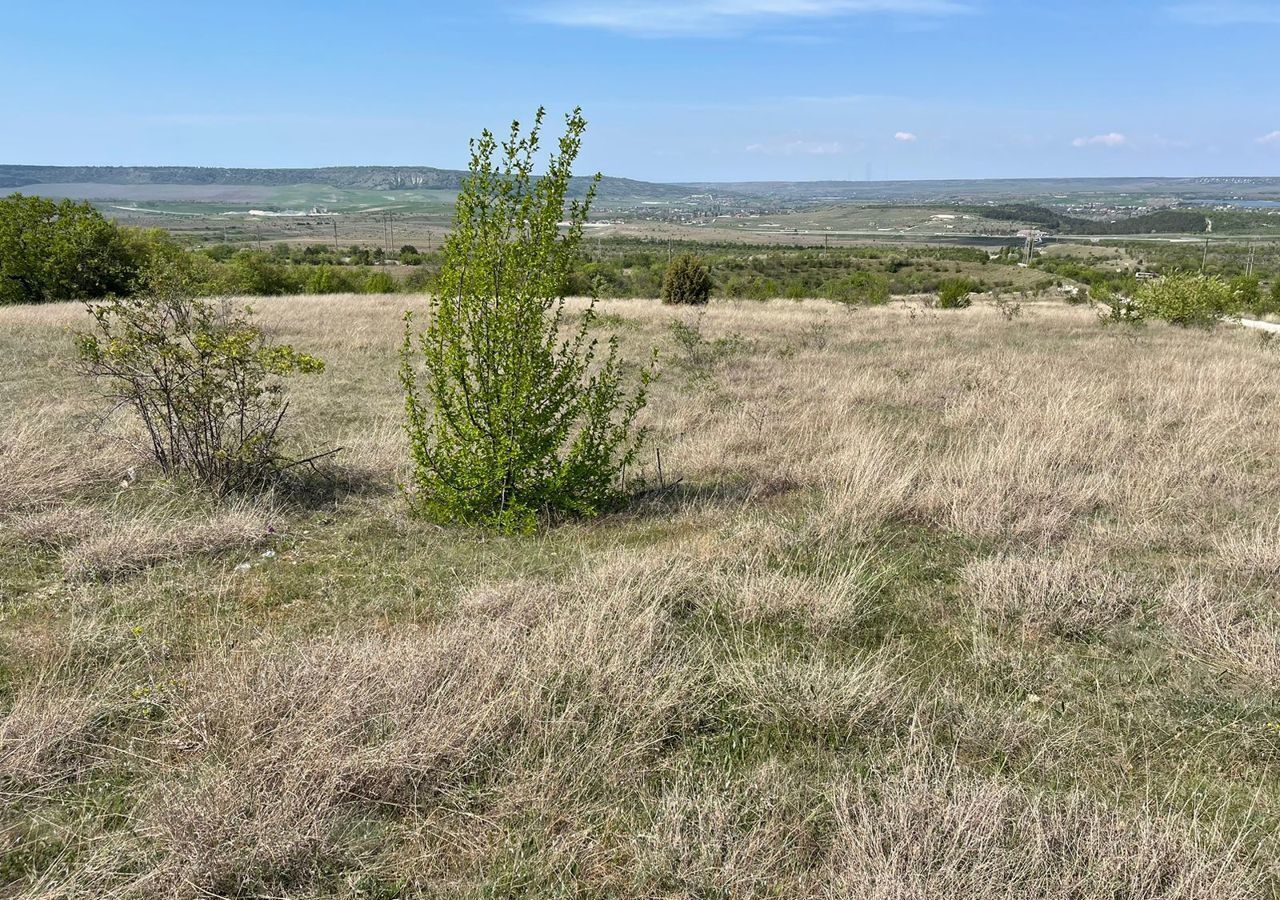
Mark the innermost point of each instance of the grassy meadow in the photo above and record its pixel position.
(923, 604)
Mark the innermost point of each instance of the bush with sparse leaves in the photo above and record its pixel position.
(203, 380)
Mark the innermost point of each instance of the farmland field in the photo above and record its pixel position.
(922, 604)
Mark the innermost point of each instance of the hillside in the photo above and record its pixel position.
(926, 605)
(399, 178)
(344, 177)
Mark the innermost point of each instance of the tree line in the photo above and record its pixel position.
(61, 250)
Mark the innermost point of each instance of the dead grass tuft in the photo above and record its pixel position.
(755, 836)
(1074, 593)
(935, 831)
(819, 696)
(1233, 629)
(1252, 553)
(121, 546)
(297, 744)
(43, 735)
(37, 471)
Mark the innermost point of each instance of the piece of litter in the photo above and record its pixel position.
(268, 554)
(243, 567)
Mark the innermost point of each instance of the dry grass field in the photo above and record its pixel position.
(926, 605)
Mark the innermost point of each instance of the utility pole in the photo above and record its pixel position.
(1252, 250)
(1204, 260)
(335, 235)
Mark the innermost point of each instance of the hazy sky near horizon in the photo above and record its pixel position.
(673, 89)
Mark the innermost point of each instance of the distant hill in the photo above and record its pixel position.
(149, 182)
(995, 189)
(372, 177)
(348, 177)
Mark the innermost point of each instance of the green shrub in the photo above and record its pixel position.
(508, 419)
(256, 274)
(1116, 308)
(327, 280)
(1269, 302)
(420, 281)
(953, 293)
(61, 251)
(795, 290)
(858, 287)
(201, 378)
(1247, 290)
(379, 283)
(687, 281)
(1188, 300)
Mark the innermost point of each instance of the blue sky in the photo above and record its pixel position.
(673, 89)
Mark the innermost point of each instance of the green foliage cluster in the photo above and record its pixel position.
(1165, 221)
(201, 377)
(55, 251)
(954, 293)
(266, 274)
(687, 281)
(625, 268)
(1098, 281)
(858, 287)
(61, 251)
(1188, 300)
(635, 268)
(508, 419)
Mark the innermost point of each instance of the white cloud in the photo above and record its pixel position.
(1227, 12)
(667, 18)
(798, 148)
(906, 137)
(1270, 139)
(1114, 139)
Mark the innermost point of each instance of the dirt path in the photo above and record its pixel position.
(1260, 325)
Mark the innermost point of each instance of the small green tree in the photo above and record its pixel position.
(687, 281)
(515, 414)
(1188, 300)
(201, 377)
